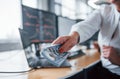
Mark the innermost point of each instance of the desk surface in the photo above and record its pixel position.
(77, 64)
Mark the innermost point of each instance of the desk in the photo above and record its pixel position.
(77, 64)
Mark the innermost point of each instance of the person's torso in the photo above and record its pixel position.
(105, 37)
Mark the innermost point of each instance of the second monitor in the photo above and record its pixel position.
(64, 25)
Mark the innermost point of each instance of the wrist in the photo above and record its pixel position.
(76, 36)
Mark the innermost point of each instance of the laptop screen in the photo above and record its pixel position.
(29, 48)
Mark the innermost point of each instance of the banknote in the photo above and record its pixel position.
(53, 56)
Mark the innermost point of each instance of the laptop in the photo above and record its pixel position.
(35, 61)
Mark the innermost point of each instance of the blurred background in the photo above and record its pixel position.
(62, 13)
(34, 24)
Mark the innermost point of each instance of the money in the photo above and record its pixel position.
(53, 56)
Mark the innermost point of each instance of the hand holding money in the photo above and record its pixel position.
(54, 57)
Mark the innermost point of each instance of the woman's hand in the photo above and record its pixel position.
(67, 41)
(111, 53)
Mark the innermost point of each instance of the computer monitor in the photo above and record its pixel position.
(64, 25)
(30, 18)
(40, 25)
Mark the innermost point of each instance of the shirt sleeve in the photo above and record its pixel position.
(88, 27)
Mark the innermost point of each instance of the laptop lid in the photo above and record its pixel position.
(29, 49)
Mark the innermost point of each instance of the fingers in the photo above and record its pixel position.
(63, 40)
(66, 46)
(60, 40)
(107, 50)
(106, 47)
(106, 55)
(67, 42)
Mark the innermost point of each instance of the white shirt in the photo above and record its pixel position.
(106, 19)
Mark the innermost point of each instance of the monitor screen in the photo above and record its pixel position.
(31, 22)
(48, 26)
(64, 25)
(40, 25)
(28, 47)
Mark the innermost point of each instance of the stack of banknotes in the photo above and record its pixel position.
(53, 56)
